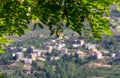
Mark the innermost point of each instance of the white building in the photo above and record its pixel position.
(19, 56)
(24, 49)
(55, 58)
(78, 43)
(90, 46)
(63, 50)
(41, 59)
(96, 54)
(113, 55)
(33, 56)
(53, 41)
(27, 60)
(49, 49)
(75, 45)
(80, 53)
(82, 42)
(27, 68)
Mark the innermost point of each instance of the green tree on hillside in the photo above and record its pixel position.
(15, 15)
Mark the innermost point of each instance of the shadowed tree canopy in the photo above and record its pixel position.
(56, 14)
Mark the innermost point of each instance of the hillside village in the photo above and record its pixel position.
(59, 46)
(68, 57)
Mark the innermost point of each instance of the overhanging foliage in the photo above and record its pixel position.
(16, 14)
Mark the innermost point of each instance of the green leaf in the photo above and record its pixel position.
(24, 26)
(52, 32)
(35, 25)
(40, 25)
(20, 31)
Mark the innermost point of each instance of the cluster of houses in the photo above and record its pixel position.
(59, 45)
(33, 55)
